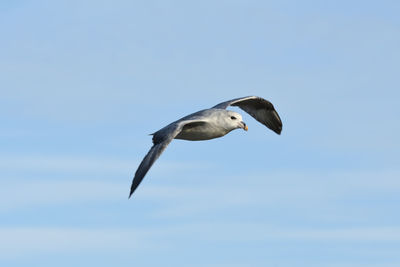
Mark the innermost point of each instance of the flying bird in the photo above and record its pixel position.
(208, 124)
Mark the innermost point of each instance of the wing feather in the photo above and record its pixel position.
(259, 108)
(161, 140)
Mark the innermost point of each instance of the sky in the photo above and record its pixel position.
(83, 83)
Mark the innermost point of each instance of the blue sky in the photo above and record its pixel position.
(83, 83)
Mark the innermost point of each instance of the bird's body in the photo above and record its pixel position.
(208, 124)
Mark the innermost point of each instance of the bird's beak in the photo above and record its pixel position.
(244, 126)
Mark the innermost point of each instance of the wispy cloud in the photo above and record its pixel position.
(20, 241)
(300, 190)
(17, 242)
(34, 194)
(63, 163)
(199, 194)
(82, 163)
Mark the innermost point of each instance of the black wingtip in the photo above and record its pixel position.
(275, 127)
(277, 123)
(130, 194)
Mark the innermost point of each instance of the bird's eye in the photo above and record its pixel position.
(233, 117)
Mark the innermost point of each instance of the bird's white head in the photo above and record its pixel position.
(235, 120)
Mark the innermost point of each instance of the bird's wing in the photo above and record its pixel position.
(161, 139)
(259, 108)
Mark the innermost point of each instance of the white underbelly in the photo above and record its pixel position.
(201, 133)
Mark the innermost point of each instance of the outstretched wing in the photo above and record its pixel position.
(259, 108)
(161, 139)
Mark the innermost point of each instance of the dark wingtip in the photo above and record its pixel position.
(130, 194)
(275, 126)
(279, 130)
(278, 123)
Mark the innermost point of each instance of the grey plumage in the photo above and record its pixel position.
(208, 124)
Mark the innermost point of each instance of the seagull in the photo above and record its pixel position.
(208, 124)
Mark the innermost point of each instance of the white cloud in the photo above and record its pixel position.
(34, 194)
(23, 241)
(80, 164)
(63, 163)
(197, 194)
(294, 190)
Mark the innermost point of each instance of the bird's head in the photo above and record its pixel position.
(235, 120)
